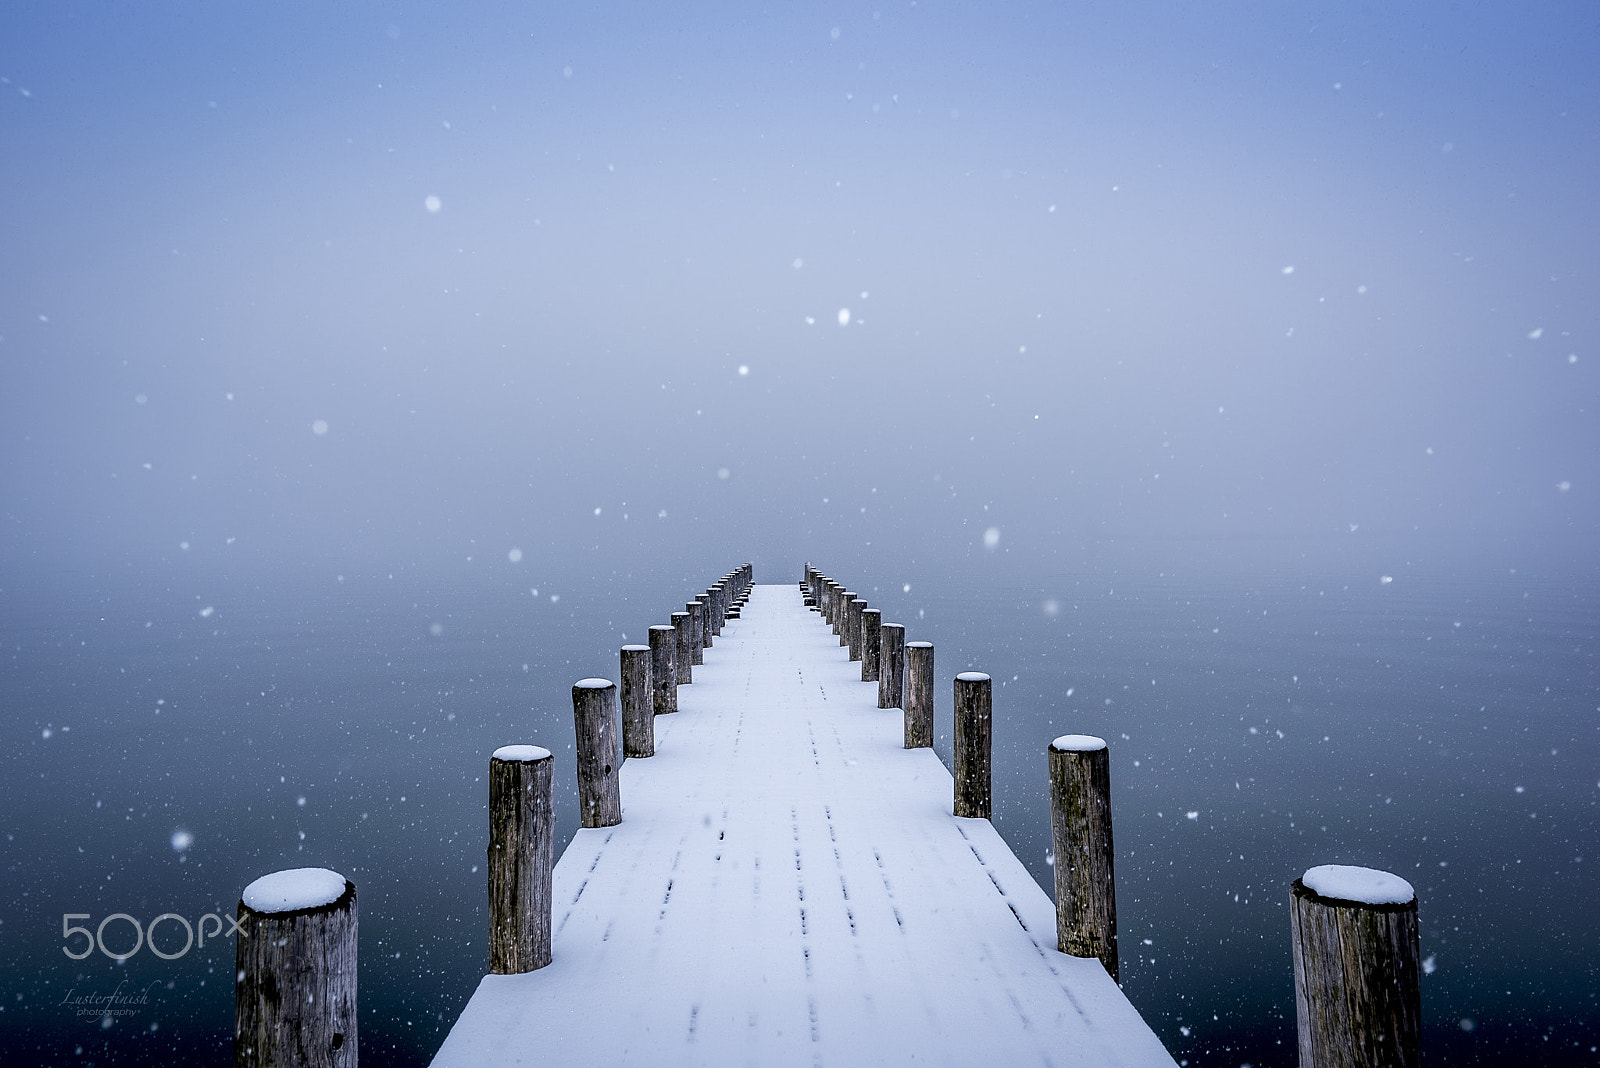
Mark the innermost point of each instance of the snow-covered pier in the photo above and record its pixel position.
(789, 885)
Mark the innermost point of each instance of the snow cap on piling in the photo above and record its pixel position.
(293, 890)
(973, 676)
(521, 752)
(638, 648)
(592, 684)
(1366, 886)
(1078, 743)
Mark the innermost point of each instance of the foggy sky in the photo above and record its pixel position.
(1176, 283)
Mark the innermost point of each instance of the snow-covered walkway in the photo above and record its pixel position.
(788, 886)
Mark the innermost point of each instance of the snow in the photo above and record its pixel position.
(521, 752)
(294, 889)
(638, 648)
(1347, 882)
(592, 684)
(919, 645)
(973, 676)
(789, 885)
(1078, 743)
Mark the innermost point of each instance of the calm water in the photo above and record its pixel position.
(1448, 730)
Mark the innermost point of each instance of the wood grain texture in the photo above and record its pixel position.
(1357, 981)
(871, 643)
(635, 692)
(699, 631)
(686, 651)
(891, 664)
(1080, 825)
(521, 848)
(594, 716)
(974, 730)
(664, 668)
(919, 695)
(295, 986)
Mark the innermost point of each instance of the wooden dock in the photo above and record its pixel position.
(788, 885)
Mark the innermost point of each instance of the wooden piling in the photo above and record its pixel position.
(1357, 971)
(638, 702)
(521, 854)
(919, 695)
(871, 643)
(708, 622)
(594, 714)
(973, 723)
(699, 631)
(891, 664)
(685, 663)
(848, 598)
(295, 971)
(664, 668)
(852, 625)
(1080, 823)
(719, 606)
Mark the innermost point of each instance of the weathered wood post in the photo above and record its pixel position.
(708, 621)
(699, 631)
(638, 702)
(1080, 823)
(294, 996)
(847, 599)
(853, 626)
(891, 664)
(835, 602)
(521, 852)
(974, 719)
(871, 643)
(1357, 971)
(719, 606)
(919, 695)
(680, 623)
(594, 714)
(664, 668)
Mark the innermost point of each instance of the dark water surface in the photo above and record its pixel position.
(1447, 730)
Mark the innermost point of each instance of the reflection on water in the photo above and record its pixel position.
(161, 754)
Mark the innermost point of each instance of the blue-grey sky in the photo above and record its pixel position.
(381, 285)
